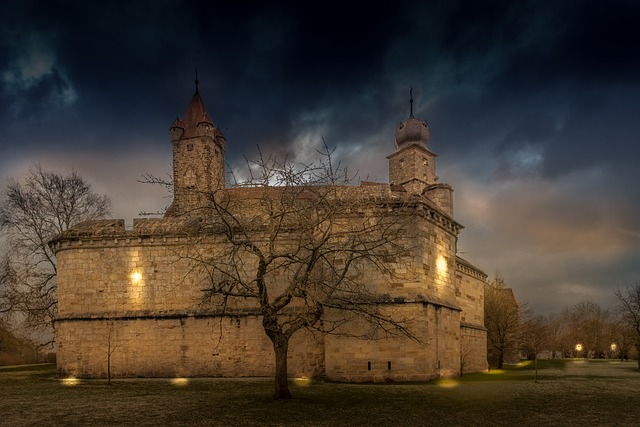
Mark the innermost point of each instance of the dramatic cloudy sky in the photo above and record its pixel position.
(534, 108)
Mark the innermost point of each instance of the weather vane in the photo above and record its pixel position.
(197, 80)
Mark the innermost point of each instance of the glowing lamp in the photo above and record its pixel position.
(71, 381)
(179, 382)
(136, 276)
(303, 381)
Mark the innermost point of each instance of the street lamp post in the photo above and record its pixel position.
(578, 349)
(614, 347)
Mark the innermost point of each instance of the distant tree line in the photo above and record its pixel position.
(583, 330)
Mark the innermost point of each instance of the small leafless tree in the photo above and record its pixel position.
(629, 311)
(111, 347)
(297, 243)
(31, 213)
(535, 338)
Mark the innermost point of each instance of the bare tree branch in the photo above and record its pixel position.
(32, 212)
(629, 311)
(295, 242)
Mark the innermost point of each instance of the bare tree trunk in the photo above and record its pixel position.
(500, 358)
(109, 364)
(281, 348)
(110, 350)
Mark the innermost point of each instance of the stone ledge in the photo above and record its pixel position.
(472, 326)
(159, 315)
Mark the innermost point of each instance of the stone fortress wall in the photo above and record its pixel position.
(128, 298)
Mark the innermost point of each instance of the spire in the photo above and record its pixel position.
(197, 80)
(410, 101)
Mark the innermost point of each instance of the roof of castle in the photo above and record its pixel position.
(412, 131)
(196, 113)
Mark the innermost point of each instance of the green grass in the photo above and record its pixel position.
(569, 392)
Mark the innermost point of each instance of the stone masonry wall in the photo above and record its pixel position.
(473, 349)
(132, 289)
(433, 351)
(178, 347)
(470, 295)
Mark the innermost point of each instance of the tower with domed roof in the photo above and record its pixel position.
(198, 159)
(413, 165)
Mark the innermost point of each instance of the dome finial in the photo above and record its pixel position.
(411, 102)
(197, 80)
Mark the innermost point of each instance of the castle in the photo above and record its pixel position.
(130, 306)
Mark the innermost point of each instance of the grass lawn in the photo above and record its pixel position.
(568, 393)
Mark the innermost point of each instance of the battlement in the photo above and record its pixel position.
(469, 269)
(112, 232)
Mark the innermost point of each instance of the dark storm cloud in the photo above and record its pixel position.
(532, 107)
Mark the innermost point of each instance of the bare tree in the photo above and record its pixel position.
(31, 213)
(534, 338)
(6, 303)
(556, 330)
(296, 243)
(503, 320)
(111, 347)
(588, 326)
(629, 311)
(6, 300)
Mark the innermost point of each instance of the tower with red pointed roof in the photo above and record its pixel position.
(198, 159)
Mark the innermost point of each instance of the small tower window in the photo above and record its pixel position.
(190, 147)
(424, 161)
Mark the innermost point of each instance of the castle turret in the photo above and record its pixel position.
(413, 165)
(198, 159)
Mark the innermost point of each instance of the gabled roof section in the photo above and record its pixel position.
(196, 113)
(177, 123)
